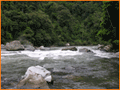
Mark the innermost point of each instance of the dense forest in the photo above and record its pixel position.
(58, 22)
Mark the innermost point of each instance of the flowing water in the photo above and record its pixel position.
(70, 69)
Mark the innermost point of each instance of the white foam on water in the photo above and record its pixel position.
(55, 54)
(103, 54)
(29, 53)
(59, 54)
(99, 53)
(7, 54)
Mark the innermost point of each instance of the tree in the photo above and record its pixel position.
(110, 23)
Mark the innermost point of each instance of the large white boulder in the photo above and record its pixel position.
(36, 77)
(41, 71)
(32, 82)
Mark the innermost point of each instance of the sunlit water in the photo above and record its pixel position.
(96, 70)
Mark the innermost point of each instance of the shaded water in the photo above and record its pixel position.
(70, 69)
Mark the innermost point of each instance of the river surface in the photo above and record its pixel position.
(70, 69)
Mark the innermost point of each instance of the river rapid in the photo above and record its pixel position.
(70, 69)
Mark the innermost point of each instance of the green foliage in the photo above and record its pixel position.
(8, 36)
(28, 33)
(110, 23)
(116, 42)
(78, 42)
(56, 23)
(60, 43)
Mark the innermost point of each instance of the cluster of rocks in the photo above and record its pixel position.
(35, 77)
(16, 45)
(75, 49)
(106, 48)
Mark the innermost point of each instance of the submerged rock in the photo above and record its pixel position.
(72, 49)
(14, 46)
(36, 77)
(68, 77)
(74, 78)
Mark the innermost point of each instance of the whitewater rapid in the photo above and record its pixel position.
(59, 54)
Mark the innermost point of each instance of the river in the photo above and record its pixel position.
(70, 69)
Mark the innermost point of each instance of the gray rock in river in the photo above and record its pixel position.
(100, 46)
(43, 48)
(106, 48)
(40, 48)
(29, 47)
(14, 46)
(85, 50)
(71, 48)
